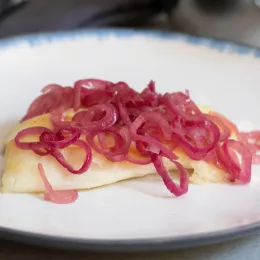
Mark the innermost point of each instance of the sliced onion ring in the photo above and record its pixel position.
(37, 130)
(236, 159)
(225, 132)
(110, 118)
(58, 197)
(167, 179)
(122, 142)
(148, 139)
(86, 163)
(62, 139)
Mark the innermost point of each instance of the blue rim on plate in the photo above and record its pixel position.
(133, 245)
(34, 40)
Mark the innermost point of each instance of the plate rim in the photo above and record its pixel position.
(127, 245)
(38, 39)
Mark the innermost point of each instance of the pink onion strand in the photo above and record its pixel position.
(58, 197)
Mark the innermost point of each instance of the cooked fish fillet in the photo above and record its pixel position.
(21, 173)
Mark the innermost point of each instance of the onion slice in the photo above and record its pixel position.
(57, 119)
(148, 139)
(225, 131)
(109, 119)
(62, 138)
(77, 96)
(175, 189)
(226, 121)
(37, 130)
(182, 106)
(86, 163)
(48, 139)
(252, 141)
(58, 197)
(116, 153)
(236, 159)
(52, 87)
(93, 83)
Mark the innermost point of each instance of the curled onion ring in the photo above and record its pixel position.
(167, 179)
(86, 163)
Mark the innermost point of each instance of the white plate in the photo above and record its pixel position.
(138, 214)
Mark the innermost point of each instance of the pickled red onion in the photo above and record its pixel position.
(58, 197)
(237, 160)
(86, 163)
(182, 106)
(167, 179)
(93, 83)
(52, 98)
(63, 137)
(252, 141)
(116, 153)
(85, 123)
(52, 87)
(77, 96)
(154, 124)
(148, 139)
(47, 138)
(38, 130)
(227, 122)
(225, 130)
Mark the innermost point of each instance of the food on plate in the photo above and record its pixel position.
(98, 132)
